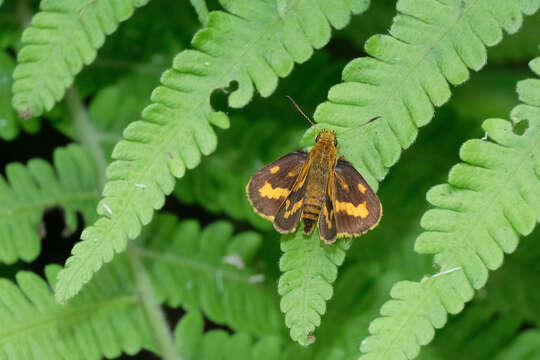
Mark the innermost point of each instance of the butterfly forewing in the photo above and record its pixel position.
(290, 211)
(357, 208)
(270, 186)
(327, 221)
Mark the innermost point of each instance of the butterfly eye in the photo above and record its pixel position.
(335, 141)
(317, 138)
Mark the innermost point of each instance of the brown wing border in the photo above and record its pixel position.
(354, 196)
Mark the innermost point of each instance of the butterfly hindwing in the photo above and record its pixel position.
(288, 215)
(269, 187)
(327, 220)
(357, 208)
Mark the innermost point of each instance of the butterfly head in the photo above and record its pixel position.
(327, 137)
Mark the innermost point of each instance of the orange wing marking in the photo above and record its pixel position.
(356, 211)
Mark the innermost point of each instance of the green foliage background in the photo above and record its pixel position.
(108, 106)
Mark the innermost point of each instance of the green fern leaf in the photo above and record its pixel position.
(430, 44)
(202, 10)
(210, 270)
(105, 320)
(309, 268)
(259, 46)
(28, 190)
(63, 36)
(488, 202)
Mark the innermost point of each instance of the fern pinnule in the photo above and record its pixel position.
(309, 268)
(28, 190)
(176, 131)
(61, 39)
(489, 201)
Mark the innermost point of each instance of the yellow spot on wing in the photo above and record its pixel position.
(328, 217)
(362, 188)
(273, 193)
(274, 169)
(356, 211)
(296, 206)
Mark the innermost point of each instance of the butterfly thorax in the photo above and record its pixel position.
(323, 161)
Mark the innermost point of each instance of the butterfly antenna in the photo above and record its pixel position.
(366, 123)
(300, 110)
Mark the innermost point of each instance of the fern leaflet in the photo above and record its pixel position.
(63, 36)
(488, 202)
(175, 130)
(28, 190)
(309, 268)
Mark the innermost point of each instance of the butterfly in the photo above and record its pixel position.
(318, 188)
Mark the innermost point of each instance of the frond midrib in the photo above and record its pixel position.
(75, 312)
(62, 200)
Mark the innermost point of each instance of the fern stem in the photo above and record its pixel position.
(162, 332)
(85, 132)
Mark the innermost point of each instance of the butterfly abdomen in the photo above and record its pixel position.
(310, 215)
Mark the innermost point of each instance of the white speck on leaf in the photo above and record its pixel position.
(107, 208)
(234, 260)
(447, 271)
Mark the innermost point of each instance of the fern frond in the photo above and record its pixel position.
(309, 268)
(217, 344)
(105, 320)
(525, 346)
(28, 190)
(488, 202)
(62, 38)
(259, 46)
(210, 270)
(431, 43)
